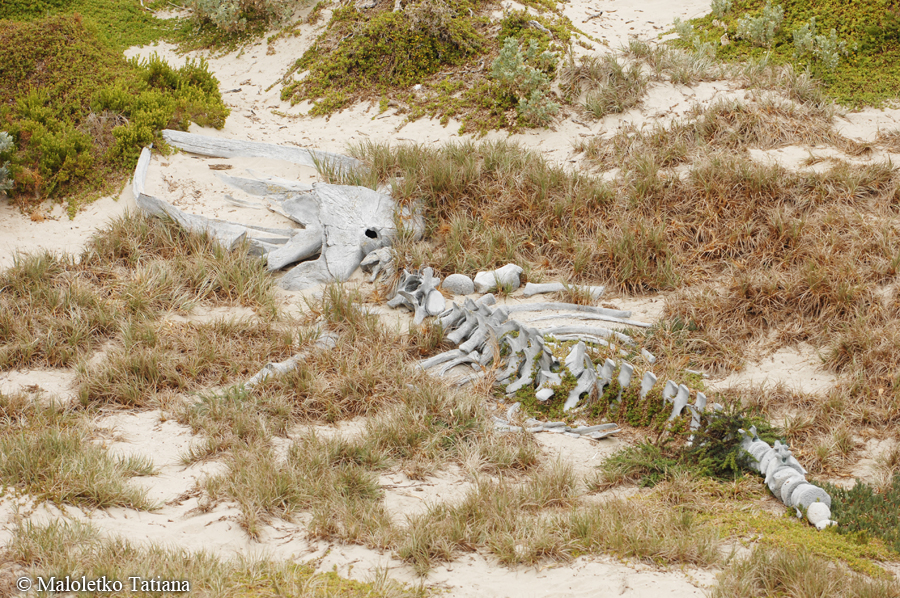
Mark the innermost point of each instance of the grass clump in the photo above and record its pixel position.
(58, 549)
(326, 477)
(491, 203)
(79, 113)
(47, 452)
(173, 358)
(55, 310)
(851, 46)
(608, 86)
(542, 518)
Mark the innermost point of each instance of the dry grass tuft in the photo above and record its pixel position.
(768, 572)
(173, 357)
(47, 452)
(58, 549)
(56, 309)
(608, 86)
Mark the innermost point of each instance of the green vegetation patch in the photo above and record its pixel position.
(865, 45)
(370, 51)
(863, 512)
(78, 112)
(119, 23)
(436, 59)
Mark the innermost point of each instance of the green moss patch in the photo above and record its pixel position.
(78, 112)
(868, 72)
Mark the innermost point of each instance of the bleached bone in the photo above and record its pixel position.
(625, 373)
(579, 316)
(681, 399)
(217, 147)
(647, 383)
(570, 307)
(441, 358)
(589, 330)
(533, 288)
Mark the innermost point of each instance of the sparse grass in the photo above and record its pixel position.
(47, 452)
(414, 421)
(724, 125)
(180, 357)
(56, 309)
(783, 571)
(675, 65)
(326, 477)
(58, 549)
(608, 86)
(541, 518)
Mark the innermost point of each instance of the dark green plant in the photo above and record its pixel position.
(864, 512)
(716, 450)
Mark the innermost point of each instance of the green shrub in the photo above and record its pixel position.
(6, 146)
(238, 16)
(761, 30)
(826, 49)
(363, 54)
(720, 7)
(523, 75)
(863, 512)
(78, 112)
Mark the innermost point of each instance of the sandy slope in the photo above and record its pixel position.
(258, 114)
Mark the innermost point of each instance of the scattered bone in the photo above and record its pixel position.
(459, 284)
(325, 342)
(533, 288)
(507, 276)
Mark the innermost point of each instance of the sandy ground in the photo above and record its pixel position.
(190, 183)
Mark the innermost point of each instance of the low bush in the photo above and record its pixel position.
(361, 54)
(220, 22)
(6, 146)
(78, 112)
(523, 75)
(864, 512)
